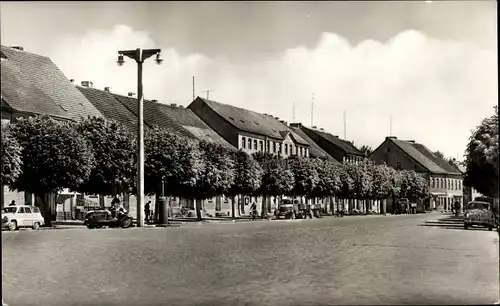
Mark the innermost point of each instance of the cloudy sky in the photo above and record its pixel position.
(432, 67)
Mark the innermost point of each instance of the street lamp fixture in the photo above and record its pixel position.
(139, 55)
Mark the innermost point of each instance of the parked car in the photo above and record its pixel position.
(479, 213)
(286, 209)
(15, 217)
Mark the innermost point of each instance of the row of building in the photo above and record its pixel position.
(32, 84)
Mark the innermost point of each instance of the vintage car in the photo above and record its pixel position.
(479, 213)
(286, 209)
(14, 217)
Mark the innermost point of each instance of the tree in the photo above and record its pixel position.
(11, 156)
(347, 182)
(216, 175)
(413, 186)
(304, 173)
(247, 177)
(382, 181)
(439, 154)
(113, 147)
(54, 155)
(481, 157)
(362, 177)
(366, 150)
(172, 159)
(277, 177)
(329, 182)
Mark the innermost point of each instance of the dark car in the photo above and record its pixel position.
(286, 209)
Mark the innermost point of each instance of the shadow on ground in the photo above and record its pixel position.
(451, 222)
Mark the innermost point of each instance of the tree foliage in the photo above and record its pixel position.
(216, 175)
(381, 180)
(481, 157)
(173, 159)
(304, 173)
(54, 156)
(247, 174)
(329, 180)
(114, 148)
(277, 177)
(11, 156)
(362, 179)
(366, 150)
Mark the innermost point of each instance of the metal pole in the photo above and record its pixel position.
(193, 89)
(140, 143)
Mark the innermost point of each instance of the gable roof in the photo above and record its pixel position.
(46, 77)
(110, 107)
(413, 150)
(252, 122)
(315, 150)
(436, 159)
(21, 95)
(152, 115)
(187, 119)
(344, 145)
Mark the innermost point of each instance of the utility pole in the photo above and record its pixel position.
(193, 89)
(312, 111)
(390, 125)
(293, 111)
(208, 93)
(140, 55)
(345, 125)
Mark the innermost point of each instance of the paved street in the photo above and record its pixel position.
(328, 261)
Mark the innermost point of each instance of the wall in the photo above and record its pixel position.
(391, 154)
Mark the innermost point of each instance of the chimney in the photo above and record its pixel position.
(131, 94)
(88, 84)
(321, 129)
(18, 48)
(297, 125)
(314, 127)
(154, 100)
(391, 137)
(72, 81)
(283, 121)
(107, 89)
(265, 114)
(181, 106)
(173, 104)
(277, 118)
(411, 141)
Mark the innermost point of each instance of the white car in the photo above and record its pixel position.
(15, 217)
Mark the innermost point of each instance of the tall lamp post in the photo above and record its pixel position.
(140, 55)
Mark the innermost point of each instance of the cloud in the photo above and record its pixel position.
(435, 90)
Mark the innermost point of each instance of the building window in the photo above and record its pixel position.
(261, 143)
(255, 144)
(243, 143)
(398, 166)
(249, 143)
(274, 147)
(459, 185)
(286, 149)
(268, 146)
(279, 148)
(432, 182)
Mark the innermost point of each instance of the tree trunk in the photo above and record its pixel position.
(233, 208)
(157, 207)
(263, 206)
(126, 201)
(47, 203)
(197, 205)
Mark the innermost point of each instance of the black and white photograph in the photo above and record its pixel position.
(256, 153)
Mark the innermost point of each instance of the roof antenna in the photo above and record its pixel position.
(193, 88)
(312, 111)
(293, 114)
(345, 125)
(390, 125)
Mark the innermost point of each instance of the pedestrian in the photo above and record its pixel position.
(253, 210)
(147, 211)
(12, 203)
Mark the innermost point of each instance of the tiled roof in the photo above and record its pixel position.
(253, 122)
(409, 149)
(192, 123)
(315, 149)
(110, 107)
(153, 116)
(20, 94)
(443, 164)
(47, 78)
(340, 143)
